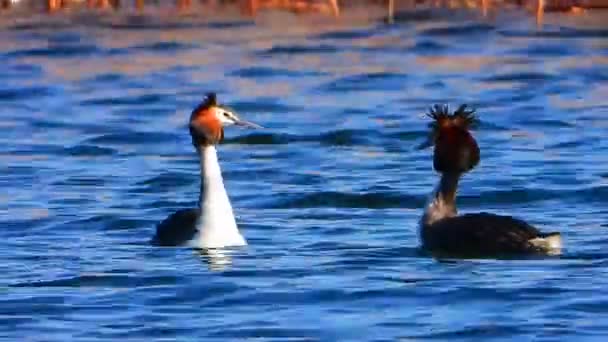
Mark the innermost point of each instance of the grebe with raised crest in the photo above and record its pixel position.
(212, 224)
(442, 231)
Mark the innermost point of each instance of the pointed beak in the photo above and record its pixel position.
(244, 123)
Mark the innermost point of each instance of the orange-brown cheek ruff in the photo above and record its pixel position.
(205, 128)
(455, 150)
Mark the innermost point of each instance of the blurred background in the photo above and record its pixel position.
(95, 151)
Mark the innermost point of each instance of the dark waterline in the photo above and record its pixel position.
(95, 151)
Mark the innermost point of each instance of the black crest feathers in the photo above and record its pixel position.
(463, 117)
(209, 101)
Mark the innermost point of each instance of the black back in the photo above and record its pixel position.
(177, 229)
(480, 234)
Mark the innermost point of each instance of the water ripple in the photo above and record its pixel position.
(266, 72)
(334, 199)
(464, 30)
(59, 51)
(299, 50)
(24, 93)
(377, 81)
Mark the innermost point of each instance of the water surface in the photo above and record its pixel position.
(95, 151)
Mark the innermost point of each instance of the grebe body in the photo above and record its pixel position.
(483, 234)
(212, 224)
(442, 230)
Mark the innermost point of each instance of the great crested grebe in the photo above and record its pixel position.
(478, 234)
(212, 224)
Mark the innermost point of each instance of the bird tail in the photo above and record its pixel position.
(548, 241)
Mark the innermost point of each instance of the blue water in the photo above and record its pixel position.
(94, 151)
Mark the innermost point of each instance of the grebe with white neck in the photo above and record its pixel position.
(477, 234)
(212, 224)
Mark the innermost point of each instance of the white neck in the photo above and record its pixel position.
(216, 224)
(442, 202)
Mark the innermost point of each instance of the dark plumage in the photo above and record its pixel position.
(463, 117)
(209, 101)
(177, 229)
(481, 234)
(455, 149)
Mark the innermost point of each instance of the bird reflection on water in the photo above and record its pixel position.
(216, 259)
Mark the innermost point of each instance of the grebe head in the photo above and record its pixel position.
(456, 150)
(208, 120)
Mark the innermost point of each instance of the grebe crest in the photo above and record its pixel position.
(212, 224)
(455, 153)
(208, 120)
